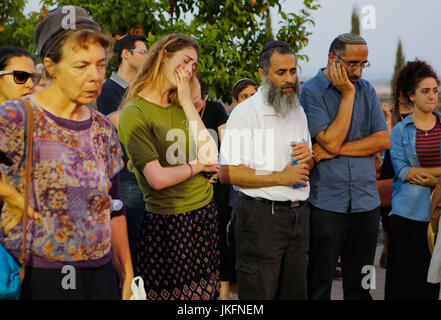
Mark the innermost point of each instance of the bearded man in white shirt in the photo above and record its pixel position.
(266, 155)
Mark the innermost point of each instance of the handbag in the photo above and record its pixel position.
(11, 272)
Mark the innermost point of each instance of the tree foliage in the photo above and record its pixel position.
(230, 33)
(400, 61)
(355, 22)
(15, 28)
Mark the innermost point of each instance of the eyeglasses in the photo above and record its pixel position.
(20, 77)
(354, 65)
(143, 51)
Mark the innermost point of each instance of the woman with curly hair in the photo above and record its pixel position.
(415, 154)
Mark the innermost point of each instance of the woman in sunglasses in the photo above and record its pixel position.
(16, 72)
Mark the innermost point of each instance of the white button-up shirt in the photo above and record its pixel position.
(258, 138)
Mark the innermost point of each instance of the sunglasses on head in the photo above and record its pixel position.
(20, 77)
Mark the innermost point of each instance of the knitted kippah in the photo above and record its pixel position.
(351, 38)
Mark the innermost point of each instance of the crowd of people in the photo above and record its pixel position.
(263, 202)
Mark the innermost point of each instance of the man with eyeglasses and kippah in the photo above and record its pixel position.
(348, 128)
(129, 52)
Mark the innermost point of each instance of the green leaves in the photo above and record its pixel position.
(230, 33)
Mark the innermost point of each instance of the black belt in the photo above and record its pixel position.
(292, 204)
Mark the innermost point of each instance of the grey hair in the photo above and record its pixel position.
(264, 58)
(338, 46)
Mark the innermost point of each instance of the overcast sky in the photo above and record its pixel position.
(416, 22)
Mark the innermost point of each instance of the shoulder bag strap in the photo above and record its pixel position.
(29, 143)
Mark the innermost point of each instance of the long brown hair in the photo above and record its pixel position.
(152, 66)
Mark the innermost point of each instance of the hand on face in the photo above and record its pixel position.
(183, 85)
(339, 78)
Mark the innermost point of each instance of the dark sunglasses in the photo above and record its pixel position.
(20, 77)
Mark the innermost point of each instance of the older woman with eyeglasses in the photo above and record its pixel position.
(75, 165)
(16, 73)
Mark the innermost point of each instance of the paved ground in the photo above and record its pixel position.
(380, 274)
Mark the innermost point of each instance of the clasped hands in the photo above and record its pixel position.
(298, 173)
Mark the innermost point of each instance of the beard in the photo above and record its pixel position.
(281, 102)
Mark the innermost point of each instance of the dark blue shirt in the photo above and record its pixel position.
(343, 184)
(111, 96)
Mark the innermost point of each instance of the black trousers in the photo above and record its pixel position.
(408, 260)
(353, 236)
(82, 284)
(271, 250)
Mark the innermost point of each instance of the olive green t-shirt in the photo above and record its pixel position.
(149, 132)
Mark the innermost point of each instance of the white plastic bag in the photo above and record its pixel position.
(138, 289)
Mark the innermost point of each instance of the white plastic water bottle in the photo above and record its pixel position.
(115, 205)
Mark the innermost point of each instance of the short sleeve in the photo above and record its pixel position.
(135, 133)
(12, 133)
(378, 122)
(115, 153)
(316, 113)
(237, 143)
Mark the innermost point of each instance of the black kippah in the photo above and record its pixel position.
(274, 44)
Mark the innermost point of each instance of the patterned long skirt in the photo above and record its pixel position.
(178, 255)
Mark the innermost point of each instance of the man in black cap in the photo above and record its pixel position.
(346, 122)
(266, 155)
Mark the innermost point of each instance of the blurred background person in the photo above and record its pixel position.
(214, 116)
(400, 110)
(129, 52)
(17, 71)
(243, 89)
(42, 80)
